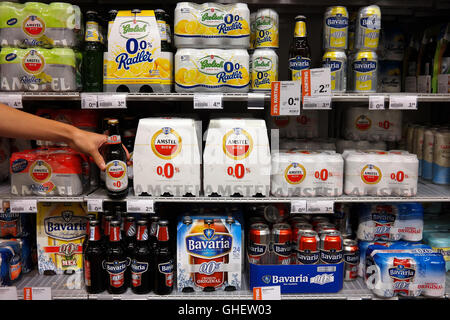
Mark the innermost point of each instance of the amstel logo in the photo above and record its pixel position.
(40, 171)
(33, 62)
(33, 26)
(237, 144)
(371, 174)
(363, 123)
(116, 170)
(295, 173)
(166, 143)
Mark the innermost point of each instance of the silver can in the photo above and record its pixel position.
(441, 157)
(264, 69)
(363, 72)
(351, 259)
(428, 149)
(418, 145)
(335, 28)
(336, 60)
(368, 25)
(410, 137)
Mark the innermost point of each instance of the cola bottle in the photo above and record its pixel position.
(164, 261)
(142, 280)
(116, 262)
(116, 177)
(94, 256)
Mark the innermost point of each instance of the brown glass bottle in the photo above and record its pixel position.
(299, 52)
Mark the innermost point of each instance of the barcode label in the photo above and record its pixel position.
(112, 101)
(18, 206)
(201, 104)
(207, 101)
(12, 99)
(105, 104)
(140, 206)
(401, 102)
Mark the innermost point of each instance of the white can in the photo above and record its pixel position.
(264, 66)
(368, 25)
(266, 29)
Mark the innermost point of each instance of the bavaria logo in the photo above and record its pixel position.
(209, 233)
(63, 228)
(115, 267)
(266, 279)
(299, 63)
(337, 22)
(199, 245)
(371, 22)
(166, 268)
(333, 64)
(256, 249)
(19, 165)
(401, 272)
(383, 217)
(364, 65)
(139, 267)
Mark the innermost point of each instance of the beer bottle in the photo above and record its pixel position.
(94, 278)
(116, 177)
(142, 280)
(299, 52)
(153, 228)
(90, 217)
(129, 136)
(116, 262)
(161, 21)
(129, 241)
(164, 261)
(106, 229)
(92, 63)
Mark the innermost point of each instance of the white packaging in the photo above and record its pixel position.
(380, 173)
(212, 70)
(236, 159)
(167, 157)
(360, 123)
(306, 173)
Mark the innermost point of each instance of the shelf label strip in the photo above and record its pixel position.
(23, 205)
(140, 206)
(376, 102)
(95, 205)
(13, 100)
(37, 293)
(312, 206)
(8, 293)
(208, 101)
(400, 102)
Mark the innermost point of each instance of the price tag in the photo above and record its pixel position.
(376, 102)
(89, 100)
(317, 102)
(23, 205)
(403, 102)
(112, 101)
(8, 293)
(298, 206)
(267, 293)
(285, 98)
(320, 206)
(140, 206)
(316, 82)
(95, 205)
(37, 293)
(208, 101)
(444, 83)
(13, 100)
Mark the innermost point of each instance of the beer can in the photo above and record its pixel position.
(336, 60)
(351, 259)
(331, 247)
(335, 28)
(299, 227)
(258, 243)
(441, 158)
(318, 219)
(297, 219)
(325, 226)
(281, 243)
(418, 145)
(264, 69)
(428, 149)
(410, 137)
(363, 71)
(368, 25)
(266, 29)
(307, 250)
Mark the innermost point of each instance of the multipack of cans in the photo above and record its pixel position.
(381, 173)
(390, 222)
(49, 172)
(306, 125)
(373, 125)
(306, 173)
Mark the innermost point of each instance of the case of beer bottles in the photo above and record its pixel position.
(61, 229)
(138, 57)
(209, 253)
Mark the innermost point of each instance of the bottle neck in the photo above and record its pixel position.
(114, 135)
(162, 234)
(94, 233)
(130, 229)
(142, 233)
(300, 29)
(114, 234)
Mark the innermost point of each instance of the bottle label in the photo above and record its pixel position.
(300, 29)
(116, 270)
(296, 65)
(116, 178)
(114, 139)
(167, 270)
(162, 30)
(87, 273)
(92, 32)
(137, 269)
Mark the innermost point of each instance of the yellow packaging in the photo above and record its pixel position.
(134, 58)
(61, 228)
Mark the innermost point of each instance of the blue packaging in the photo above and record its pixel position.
(390, 222)
(24, 248)
(317, 278)
(408, 272)
(14, 224)
(11, 265)
(440, 242)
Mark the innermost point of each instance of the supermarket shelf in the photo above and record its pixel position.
(427, 192)
(336, 97)
(72, 287)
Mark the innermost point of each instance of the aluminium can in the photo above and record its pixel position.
(258, 243)
(331, 247)
(264, 69)
(336, 60)
(307, 247)
(351, 259)
(335, 28)
(266, 29)
(363, 72)
(281, 243)
(368, 25)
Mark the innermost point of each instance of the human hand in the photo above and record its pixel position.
(89, 143)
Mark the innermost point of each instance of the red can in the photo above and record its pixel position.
(296, 228)
(258, 243)
(307, 247)
(331, 247)
(351, 259)
(281, 243)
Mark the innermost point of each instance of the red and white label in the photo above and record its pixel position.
(33, 26)
(295, 173)
(40, 171)
(116, 178)
(363, 123)
(371, 174)
(33, 62)
(166, 143)
(237, 143)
